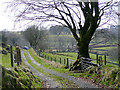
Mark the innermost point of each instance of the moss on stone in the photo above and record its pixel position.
(107, 75)
(19, 77)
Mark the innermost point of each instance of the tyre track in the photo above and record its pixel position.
(48, 82)
(81, 83)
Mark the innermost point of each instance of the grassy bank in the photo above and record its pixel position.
(106, 75)
(72, 56)
(65, 83)
(48, 64)
(19, 77)
(5, 59)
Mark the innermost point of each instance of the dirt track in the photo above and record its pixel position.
(81, 83)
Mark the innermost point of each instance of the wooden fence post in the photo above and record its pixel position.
(51, 59)
(97, 58)
(67, 62)
(64, 61)
(15, 56)
(45, 56)
(105, 59)
(100, 60)
(11, 52)
(60, 60)
(17, 50)
(48, 57)
(81, 64)
(20, 56)
(39, 52)
(55, 59)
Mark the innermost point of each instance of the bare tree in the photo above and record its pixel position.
(79, 16)
(32, 35)
(35, 37)
(13, 38)
(4, 36)
(42, 43)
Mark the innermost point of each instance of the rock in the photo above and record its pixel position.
(26, 69)
(17, 78)
(3, 45)
(7, 48)
(16, 69)
(66, 67)
(4, 52)
(23, 81)
(11, 72)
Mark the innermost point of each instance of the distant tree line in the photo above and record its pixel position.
(53, 39)
(12, 38)
(36, 36)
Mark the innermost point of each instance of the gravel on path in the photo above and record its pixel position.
(81, 83)
(49, 83)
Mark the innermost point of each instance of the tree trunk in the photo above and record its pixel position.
(83, 50)
(11, 51)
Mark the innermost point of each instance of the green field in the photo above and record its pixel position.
(106, 76)
(0, 48)
(17, 77)
(56, 67)
(51, 65)
(62, 56)
(57, 57)
(5, 60)
(73, 56)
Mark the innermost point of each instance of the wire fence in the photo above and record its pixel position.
(101, 59)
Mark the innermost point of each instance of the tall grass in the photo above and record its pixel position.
(5, 60)
(51, 65)
(61, 80)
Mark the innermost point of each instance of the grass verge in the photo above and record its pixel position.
(48, 64)
(20, 77)
(107, 75)
(65, 83)
(5, 60)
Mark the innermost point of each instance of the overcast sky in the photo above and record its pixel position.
(6, 18)
(6, 21)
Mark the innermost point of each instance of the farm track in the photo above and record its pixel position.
(48, 82)
(81, 83)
